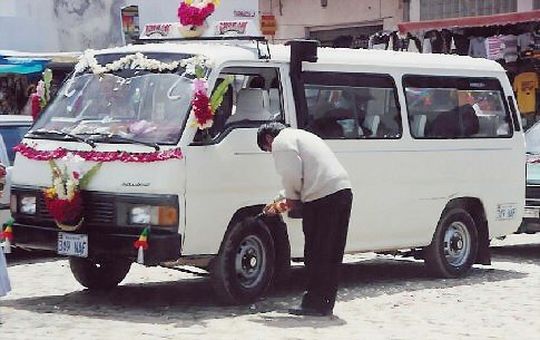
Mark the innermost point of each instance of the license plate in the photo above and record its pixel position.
(531, 213)
(506, 211)
(72, 244)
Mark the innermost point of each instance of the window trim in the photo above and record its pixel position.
(459, 82)
(352, 79)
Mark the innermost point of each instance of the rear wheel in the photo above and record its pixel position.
(98, 274)
(244, 267)
(453, 249)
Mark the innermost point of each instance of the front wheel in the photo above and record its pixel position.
(99, 274)
(453, 249)
(244, 267)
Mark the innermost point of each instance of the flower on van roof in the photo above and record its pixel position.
(195, 12)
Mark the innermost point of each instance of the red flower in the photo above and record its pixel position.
(65, 211)
(76, 175)
(35, 105)
(201, 108)
(191, 15)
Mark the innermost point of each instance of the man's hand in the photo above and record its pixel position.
(270, 210)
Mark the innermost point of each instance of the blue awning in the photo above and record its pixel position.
(22, 65)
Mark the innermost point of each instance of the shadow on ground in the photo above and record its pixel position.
(192, 302)
(21, 256)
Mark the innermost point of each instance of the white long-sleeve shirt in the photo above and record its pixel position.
(309, 170)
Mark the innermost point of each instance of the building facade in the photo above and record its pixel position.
(332, 21)
(328, 20)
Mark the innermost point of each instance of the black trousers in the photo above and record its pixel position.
(325, 224)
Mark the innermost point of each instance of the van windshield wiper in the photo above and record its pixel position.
(111, 137)
(63, 134)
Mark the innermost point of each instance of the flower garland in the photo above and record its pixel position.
(63, 198)
(133, 61)
(40, 98)
(99, 156)
(195, 12)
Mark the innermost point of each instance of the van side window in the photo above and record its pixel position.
(351, 105)
(253, 98)
(456, 107)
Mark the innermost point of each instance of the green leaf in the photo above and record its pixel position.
(47, 76)
(85, 179)
(199, 72)
(217, 97)
(54, 168)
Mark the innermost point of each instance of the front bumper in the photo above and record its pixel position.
(104, 224)
(161, 247)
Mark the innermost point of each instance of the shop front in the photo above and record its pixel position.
(511, 39)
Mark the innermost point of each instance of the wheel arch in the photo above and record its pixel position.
(475, 207)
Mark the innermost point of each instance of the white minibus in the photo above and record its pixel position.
(148, 154)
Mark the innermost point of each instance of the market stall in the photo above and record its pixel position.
(21, 71)
(512, 39)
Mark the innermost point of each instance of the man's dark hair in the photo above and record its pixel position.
(268, 129)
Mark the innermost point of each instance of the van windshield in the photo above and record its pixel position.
(147, 108)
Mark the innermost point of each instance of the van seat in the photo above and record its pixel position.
(372, 122)
(418, 125)
(274, 102)
(251, 104)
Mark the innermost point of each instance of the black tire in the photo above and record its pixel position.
(98, 275)
(453, 249)
(282, 268)
(244, 267)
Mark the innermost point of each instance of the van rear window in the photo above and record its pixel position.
(456, 107)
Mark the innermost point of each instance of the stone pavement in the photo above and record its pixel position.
(381, 297)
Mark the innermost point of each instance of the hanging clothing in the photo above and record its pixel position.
(526, 42)
(494, 46)
(426, 46)
(414, 44)
(379, 41)
(462, 44)
(436, 42)
(477, 47)
(525, 85)
(510, 52)
(446, 37)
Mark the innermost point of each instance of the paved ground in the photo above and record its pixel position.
(381, 298)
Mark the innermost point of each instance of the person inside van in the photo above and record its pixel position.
(459, 122)
(312, 175)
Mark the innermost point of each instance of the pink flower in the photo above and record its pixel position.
(200, 86)
(191, 15)
(76, 175)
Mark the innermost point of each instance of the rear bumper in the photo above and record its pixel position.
(161, 247)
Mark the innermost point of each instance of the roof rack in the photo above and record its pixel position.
(258, 40)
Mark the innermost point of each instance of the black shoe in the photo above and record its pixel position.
(309, 311)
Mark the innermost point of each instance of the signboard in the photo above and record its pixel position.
(268, 24)
(167, 11)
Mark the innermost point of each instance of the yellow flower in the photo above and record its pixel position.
(216, 2)
(50, 193)
(188, 2)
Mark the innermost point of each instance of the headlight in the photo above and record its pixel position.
(28, 205)
(154, 215)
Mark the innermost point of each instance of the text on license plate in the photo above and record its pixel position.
(72, 244)
(506, 211)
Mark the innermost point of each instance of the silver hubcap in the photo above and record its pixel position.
(457, 244)
(249, 262)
